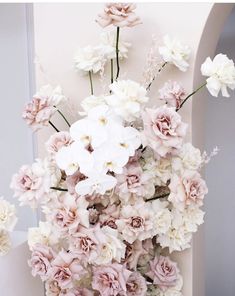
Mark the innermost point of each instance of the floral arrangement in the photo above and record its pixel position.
(8, 221)
(120, 189)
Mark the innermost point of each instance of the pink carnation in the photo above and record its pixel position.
(110, 279)
(38, 112)
(119, 15)
(136, 285)
(57, 141)
(40, 261)
(164, 130)
(172, 93)
(163, 272)
(188, 189)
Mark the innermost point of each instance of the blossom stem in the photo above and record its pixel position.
(111, 70)
(117, 52)
(62, 115)
(190, 95)
(158, 197)
(58, 189)
(55, 128)
(91, 83)
(159, 71)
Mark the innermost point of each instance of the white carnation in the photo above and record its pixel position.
(54, 96)
(91, 102)
(8, 217)
(127, 98)
(221, 73)
(174, 52)
(5, 242)
(162, 217)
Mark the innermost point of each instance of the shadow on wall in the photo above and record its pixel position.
(220, 174)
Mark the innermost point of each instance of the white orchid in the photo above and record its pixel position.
(74, 157)
(221, 72)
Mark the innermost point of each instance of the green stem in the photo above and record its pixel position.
(62, 115)
(58, 189)
(55, 128)
(111, 70)
(91, 83)
(159, 70)
(190, 95)
(158, 197)
(117, 52)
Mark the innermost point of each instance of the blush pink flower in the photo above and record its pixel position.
(109, 216)
(133, 253)
(79, 292)
(57, 141)
(40, 261)
(136, 285)
(172, 93)
(164, 130)
(52, 288)
(119, 15)
(187, 190)
(163, 272)
(110, 279)
(72, 181)
(38, 112)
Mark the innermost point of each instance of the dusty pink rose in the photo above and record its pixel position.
(172, 93)
(164, 130)
(134, 182)
(65, 269)
(136, 285)
(52, 288)
(40, 261)
(163, 272)
(188, 189)
(72, 180)
(57, 141)
(38, 112)
(110, 279)
(119, 15)
(109, 216)
(133, 253)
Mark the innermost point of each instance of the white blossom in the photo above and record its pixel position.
(8, 217)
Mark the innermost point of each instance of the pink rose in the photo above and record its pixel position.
(188, 189)
(164, 130)
(133, 253)
(38, 112)
(57, 141)
(109, 216)
(119, 15)
(136, 285)
(172, 93)
(52, 288)
(163, 272)
(40, 261)
(110, 279)
(65, 269)
(72, 180)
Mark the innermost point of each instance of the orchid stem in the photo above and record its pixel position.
(55, 128)
(117, 52)
(62, 115)
(111, 70)
(159, 70)
(190, 95)
(91, 83)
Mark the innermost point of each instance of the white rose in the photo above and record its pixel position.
(5, 242)
(127, 98)
(174, 52)
(8, 217)
(90, 59)
(221, 73)
(41, 235)
(108, 40)
(91, 102)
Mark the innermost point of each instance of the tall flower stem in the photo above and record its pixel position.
(59, 189)
(62, 115)
(55, 128)
(111, 70)
(91, 83)
(190, 95)
(117, 52)
(159, 70)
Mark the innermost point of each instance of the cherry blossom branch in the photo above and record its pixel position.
(58, 189)
(117, 52)
(91, 83)
(159, 71)
(190, 95)
(55, 128)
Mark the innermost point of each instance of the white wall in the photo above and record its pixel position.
(16, 86)
(220, 177)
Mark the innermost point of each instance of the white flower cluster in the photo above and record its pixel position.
(8, 221)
